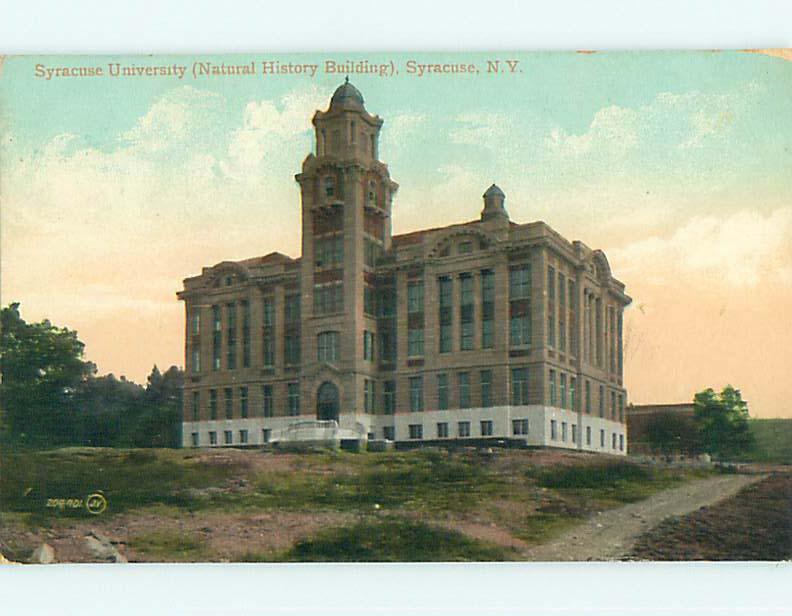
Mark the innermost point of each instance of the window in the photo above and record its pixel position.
(463, 379)
(519, 328)
(601, 401)
(415, 342)
(572, 393)
(292, 309)
(486, 427)
(415, 297)
(228, 399)
(588, 396)
(621, 442)
(212, 404)
(621, 408)
(267, 403)
(465, 248)
(553, 429)
(268, 333)
(466, 312)
(368, 345)
(243, 437)
(389, 433)
(245, 334)
(442, 430)
(243, 402)
(213, 438)
(195, 440)
(293, 398)
(196, 406)
(552, 388)
(574, 433)
(216, 337)
(519, 427)
(551, 306)
(389, 397)
(463, 428)
(486, 388)
(291, 349)
(442, 392)
(228, 437)
(372, 251)
(416, 431)
(487, 309)
(588, 435)
(519, 386)
(329, 251)
(602, 438)
(561, 313)
(266, 433)
(372, 194)
(196, 359)
(563, 431)
(195, 322)
(231, 336)
(562, 378)
(416, 394)
(613, 435)
(328, 298)
(445, 289)
(520, 282)
(327, 346)
(329, 186)
(368, 396)
(613, 404)
(572, 301)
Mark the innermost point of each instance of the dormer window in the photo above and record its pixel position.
(465, 247)
(329, 186)
(229, 281)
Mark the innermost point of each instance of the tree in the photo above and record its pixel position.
(672, 432)
(722, 422)
(41, 368)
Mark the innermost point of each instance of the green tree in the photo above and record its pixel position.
(41, 367)
(722, 422)
(672, 432)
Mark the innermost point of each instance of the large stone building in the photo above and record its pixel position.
(483, 330)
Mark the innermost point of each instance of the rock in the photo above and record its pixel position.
(43, 555)
(103, 549)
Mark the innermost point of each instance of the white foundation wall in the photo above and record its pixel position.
(603, 432)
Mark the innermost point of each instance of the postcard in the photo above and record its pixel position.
(400, 307)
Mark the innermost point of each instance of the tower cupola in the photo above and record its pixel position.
(494, 208)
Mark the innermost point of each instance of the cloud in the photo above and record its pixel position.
(488, 130)
(615, 128)
(744, 250)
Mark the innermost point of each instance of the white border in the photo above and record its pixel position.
(35, 26)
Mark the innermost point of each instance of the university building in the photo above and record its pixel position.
(483, 330)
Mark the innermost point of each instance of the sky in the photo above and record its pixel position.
(678, 165)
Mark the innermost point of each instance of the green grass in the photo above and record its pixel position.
(128, 479)
(393, 540)
(176, 546)
(773, 441)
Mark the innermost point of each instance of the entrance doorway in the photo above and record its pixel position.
(327, 402)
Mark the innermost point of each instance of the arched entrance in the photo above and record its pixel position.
(327, 401)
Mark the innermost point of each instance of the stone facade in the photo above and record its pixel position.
(482, 330)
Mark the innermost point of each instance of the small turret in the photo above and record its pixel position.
(494, 209)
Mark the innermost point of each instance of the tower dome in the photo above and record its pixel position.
(347, 96)
(494, 208)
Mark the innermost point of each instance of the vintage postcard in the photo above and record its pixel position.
(396, 307)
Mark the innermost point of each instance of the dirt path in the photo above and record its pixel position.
(611, 535)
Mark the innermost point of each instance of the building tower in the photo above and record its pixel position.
(346, 225)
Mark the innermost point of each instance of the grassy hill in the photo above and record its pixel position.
(202, 505)
(773, 440)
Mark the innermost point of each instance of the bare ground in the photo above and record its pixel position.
(612, 534)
